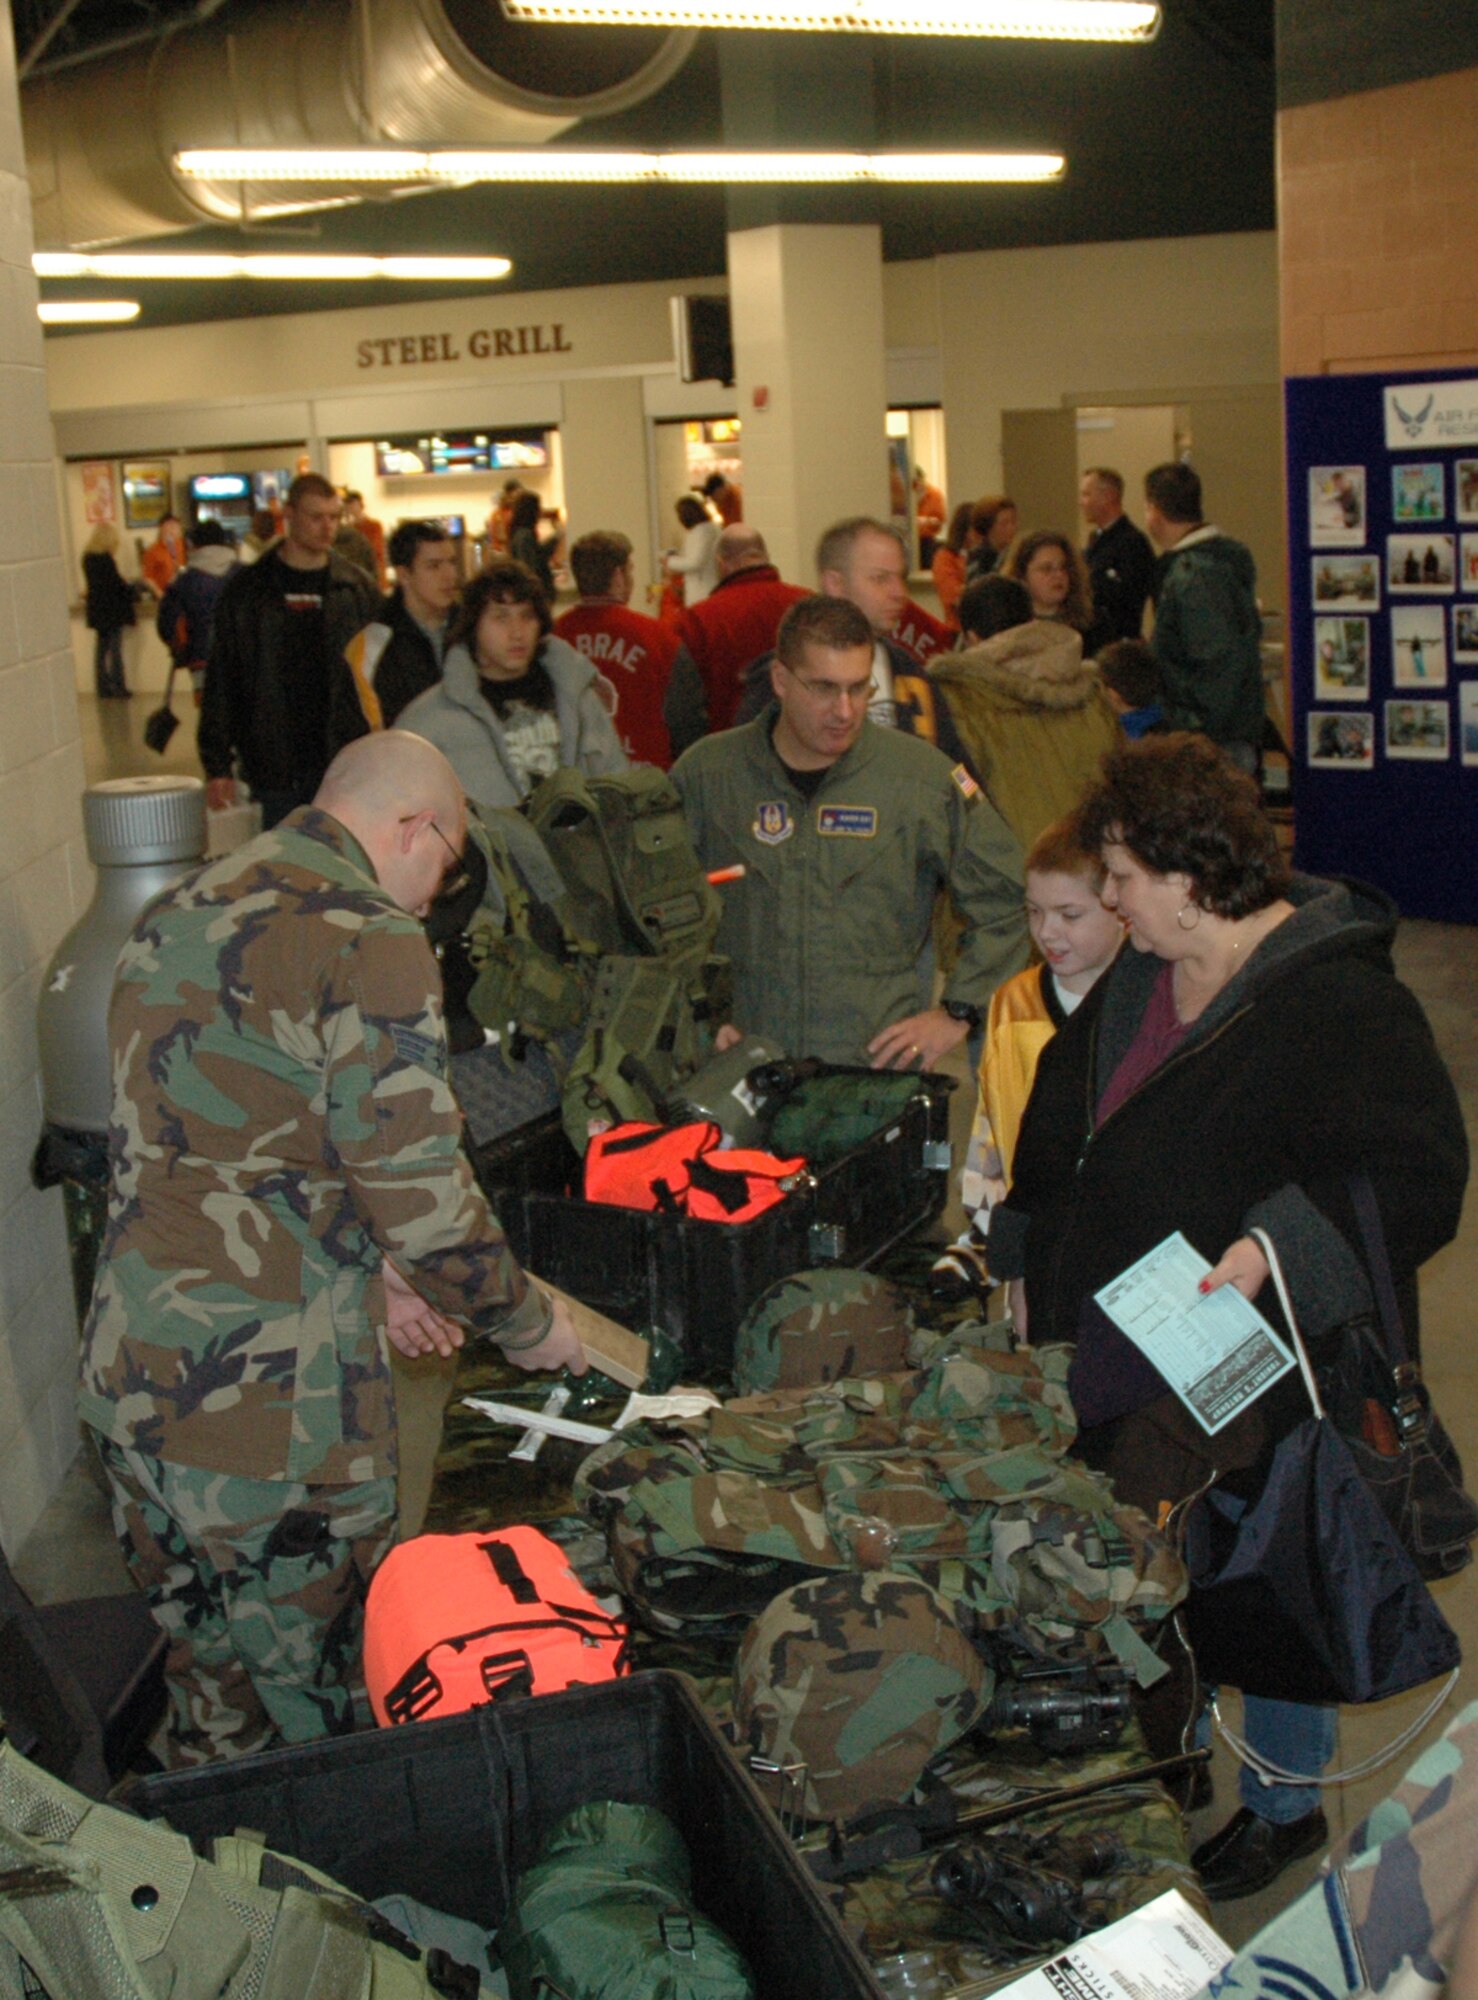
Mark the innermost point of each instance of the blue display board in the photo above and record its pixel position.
(1383, 633)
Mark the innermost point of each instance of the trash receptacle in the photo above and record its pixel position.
(142, 834)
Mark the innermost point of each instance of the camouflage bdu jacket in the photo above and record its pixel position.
(829, 929)
(281, 1117)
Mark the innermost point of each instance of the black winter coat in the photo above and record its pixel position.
(1314, 1063)
(109, 596)
(249, 703)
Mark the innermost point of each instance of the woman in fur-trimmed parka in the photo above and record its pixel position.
(1030, 711)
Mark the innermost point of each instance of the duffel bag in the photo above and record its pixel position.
(456, 1621)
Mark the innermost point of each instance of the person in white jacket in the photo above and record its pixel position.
(514, 703)
(696, 562)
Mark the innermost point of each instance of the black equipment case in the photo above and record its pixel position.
(698, 1279)
(451, 1812)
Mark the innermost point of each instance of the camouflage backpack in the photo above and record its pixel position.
(953, 1474)
(860, 1678)
(819, 1326)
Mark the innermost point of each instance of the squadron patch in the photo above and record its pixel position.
(965, 782)
(861, 822)
(772, 822)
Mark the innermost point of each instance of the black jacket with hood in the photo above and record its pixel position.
(1313, 1063)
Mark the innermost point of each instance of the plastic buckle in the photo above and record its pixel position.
(675, 1928)
(937, 1156)
(827, 1242)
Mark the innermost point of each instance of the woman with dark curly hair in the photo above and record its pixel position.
(1055, 575)
(1235, 1069)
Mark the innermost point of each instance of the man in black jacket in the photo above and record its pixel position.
(398, 655)
(1121, 563)
(281, 626)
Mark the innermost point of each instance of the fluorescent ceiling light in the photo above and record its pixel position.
(186, 264)
(545, 163)
(1045, 20)
(86, 312)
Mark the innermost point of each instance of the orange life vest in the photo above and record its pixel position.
(680, 1170)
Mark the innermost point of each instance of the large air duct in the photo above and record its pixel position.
(100, 140)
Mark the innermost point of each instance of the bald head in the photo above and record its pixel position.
(400, 799)
(739, 547)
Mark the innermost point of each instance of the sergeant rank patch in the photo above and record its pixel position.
(860, 822)
(772, 822)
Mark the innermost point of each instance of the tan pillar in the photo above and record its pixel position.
(45, 880)
(603, 439)
(807, 307)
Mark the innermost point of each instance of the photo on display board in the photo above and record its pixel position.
(1421, 562)
(1418, 729)
(1465, 634)
(1342, 742)
(1468, 574)
(1465, 489)
(1468, 722)
(1418, 492)
(1337, 506)
(1347, 583)
(1419, 646)
(1342, 659)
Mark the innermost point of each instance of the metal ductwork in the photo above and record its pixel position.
(100, 141)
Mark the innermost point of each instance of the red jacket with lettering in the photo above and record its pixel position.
(637, 656)
(733, 625)
(919, 632)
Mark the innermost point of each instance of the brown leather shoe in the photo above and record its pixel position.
(1249, 1853)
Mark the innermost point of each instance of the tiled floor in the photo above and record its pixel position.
(72, 1553)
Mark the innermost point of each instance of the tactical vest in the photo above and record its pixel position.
(96, 1902)
(590, 916)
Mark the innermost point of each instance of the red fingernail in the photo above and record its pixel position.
(1204, 1286)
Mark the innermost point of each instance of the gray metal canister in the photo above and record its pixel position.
(142, 835)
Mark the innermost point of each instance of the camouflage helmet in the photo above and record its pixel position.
(819, 1326)
(861, 1678)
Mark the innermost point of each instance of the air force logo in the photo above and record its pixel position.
(772, 822)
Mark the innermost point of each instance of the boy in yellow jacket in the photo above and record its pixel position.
(1077, 939)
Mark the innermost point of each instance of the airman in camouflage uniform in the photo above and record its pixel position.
(288, 1191)
(847, 834)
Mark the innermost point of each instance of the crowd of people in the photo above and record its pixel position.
(1174, 1032)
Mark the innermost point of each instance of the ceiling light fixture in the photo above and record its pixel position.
(549, 164)
(188, 264)
(1037, 20)
(86, 312)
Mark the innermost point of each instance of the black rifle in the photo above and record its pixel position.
(899, 1832)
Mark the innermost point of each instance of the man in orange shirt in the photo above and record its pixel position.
(659, 697)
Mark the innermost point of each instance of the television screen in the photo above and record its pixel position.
(221, 486)
(459, 451)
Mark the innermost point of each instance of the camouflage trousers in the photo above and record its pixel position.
(259, 1585)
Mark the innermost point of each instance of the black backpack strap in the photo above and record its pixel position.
(1367, 1213)
(510, 1572)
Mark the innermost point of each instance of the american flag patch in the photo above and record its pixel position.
(965, 782)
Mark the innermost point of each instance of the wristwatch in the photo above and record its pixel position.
(963, 1010)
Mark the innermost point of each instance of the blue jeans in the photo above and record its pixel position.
(1294, 1734)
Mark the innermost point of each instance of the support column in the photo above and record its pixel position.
(806, 295)
(807, 305)
(45, 880)
(602, 436)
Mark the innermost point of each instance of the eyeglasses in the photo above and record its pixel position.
(455, 878)
(828, 694)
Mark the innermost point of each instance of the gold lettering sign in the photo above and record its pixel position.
(484, 343)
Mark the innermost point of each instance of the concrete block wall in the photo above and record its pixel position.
(1377, 229)
(45, 880)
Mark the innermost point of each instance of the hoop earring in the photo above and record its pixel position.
(1180, 916)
